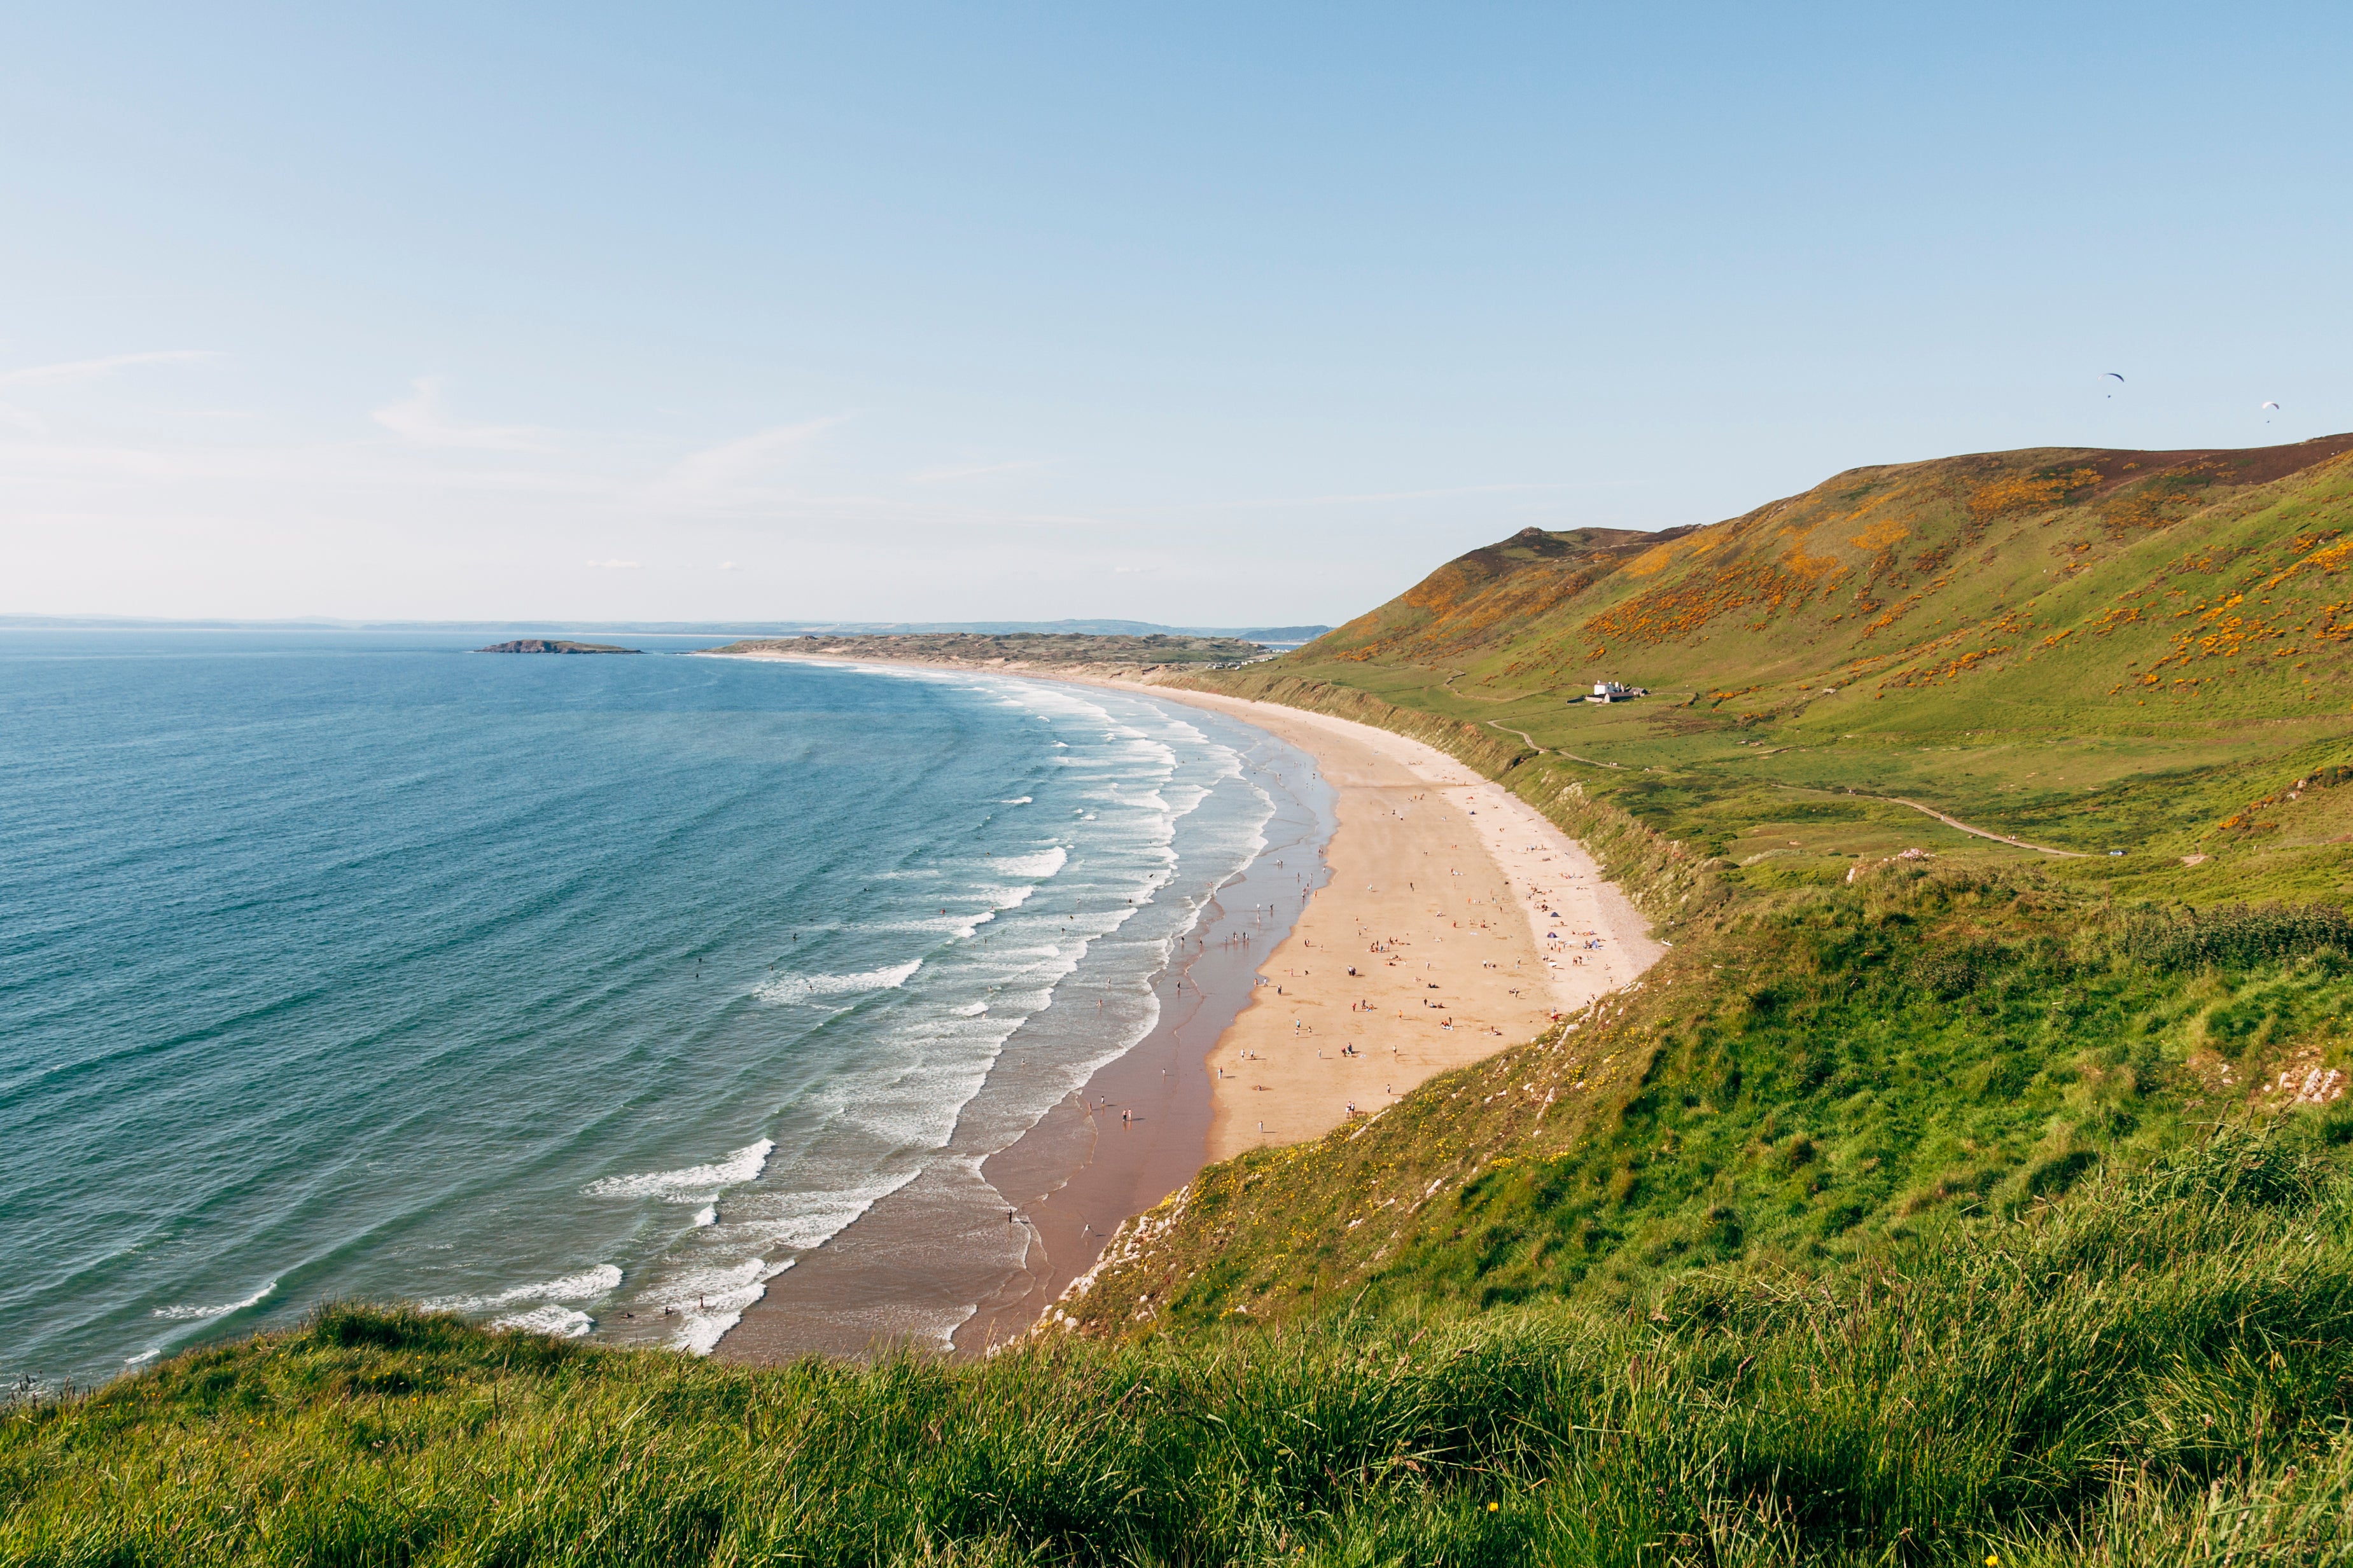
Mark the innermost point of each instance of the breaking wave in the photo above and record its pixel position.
(695, 1185)
(585, 1286)
(801, 987)
(564, 1322)
(187, 1314)
(1042, 865)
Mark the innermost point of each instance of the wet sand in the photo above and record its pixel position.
(1131, 1162)
(1134, 1134)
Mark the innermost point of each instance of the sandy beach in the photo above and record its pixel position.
(1457, 921)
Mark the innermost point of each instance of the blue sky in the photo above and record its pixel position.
(1203, 314)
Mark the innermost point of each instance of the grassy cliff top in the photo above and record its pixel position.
(2155, 1373)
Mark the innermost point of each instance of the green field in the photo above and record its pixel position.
(1936, 1200)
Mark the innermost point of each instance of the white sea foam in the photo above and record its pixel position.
(564, 1322)
(185, 1314)
(801, 987)
(1016, 800)
(707, 1215)
(696, 1184)
(585, 1286)
(972, 1010)
(957, 925)
(709, 1301)
(1042, 865)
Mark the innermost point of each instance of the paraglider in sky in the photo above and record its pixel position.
(2268, 410)
(2112, 376)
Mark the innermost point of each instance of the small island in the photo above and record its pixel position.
(554, 645)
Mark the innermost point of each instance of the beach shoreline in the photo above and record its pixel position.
(1116, 1146)
(1432, 920)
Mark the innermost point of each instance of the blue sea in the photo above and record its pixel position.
(585, 994)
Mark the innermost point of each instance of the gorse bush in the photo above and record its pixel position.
(2162, 1365)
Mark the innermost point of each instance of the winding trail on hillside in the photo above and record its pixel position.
(1889, 799)
(1523, 734)
(1548, 751)
(1965, 827)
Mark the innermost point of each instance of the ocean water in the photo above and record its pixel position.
(582, 993)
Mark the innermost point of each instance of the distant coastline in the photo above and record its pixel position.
(1054, 654)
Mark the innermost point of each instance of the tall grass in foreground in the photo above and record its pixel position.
(2158, 1370)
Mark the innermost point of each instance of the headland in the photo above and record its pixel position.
(1060, 654)
(555, 645)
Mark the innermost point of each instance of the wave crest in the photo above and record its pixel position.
(801, 987)
(1040, 865)
(189, 1314)
(695, 1184)
(585, 1286)
(563, 1322)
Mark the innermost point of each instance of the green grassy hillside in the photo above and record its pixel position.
(2092, 650)
(2158, 1371)
(1922, 577)
(1805, 1083)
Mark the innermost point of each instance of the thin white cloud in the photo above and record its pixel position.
(354, 466)
(979, 470)
(1397, 495)
(727, 566)
(613, 565)
(93, 369)
(420, 419)
(715, 470)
